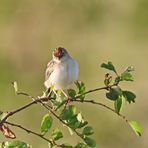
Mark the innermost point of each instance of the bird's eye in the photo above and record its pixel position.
(63, 52)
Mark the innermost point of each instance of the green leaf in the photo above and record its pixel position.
(114, 93)
(59, 93)
(81, 87)
(136, 127)
(15, 86)
(109, 66)
(127, 76)
(82, 124)
(46, 123)
(90, 142)
(129, 96)
(117, 80)
(68, 113)
(88, 130)
(56, 134)
(58, 106)
(129, 69)
(73, 122)
(108, 79)
(72, 109)
(66, 146)
(79, 117)
(15, 144)
(118, 104)
(2, 145)
(81, 145)
(72, 93)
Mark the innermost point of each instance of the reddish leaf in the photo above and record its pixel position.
(7, 132)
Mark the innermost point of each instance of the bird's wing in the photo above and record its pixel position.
(49, 69)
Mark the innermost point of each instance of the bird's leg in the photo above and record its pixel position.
(67, 98)
(55, 93)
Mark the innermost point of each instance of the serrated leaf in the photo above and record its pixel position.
(88, 130)
(127, 76)
(114, 93)
(129, 96)
(136, 127)
(56, 134)
(118, 104)
(109, 66)
(15, 144)
(46, 123)
(72, 93)
(90, 142)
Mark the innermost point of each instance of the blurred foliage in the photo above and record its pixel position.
(93, 31)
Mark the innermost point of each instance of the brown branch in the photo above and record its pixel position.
(21, 108)
(32, 132)
(103, 105)
(94, 90)
(49, 108)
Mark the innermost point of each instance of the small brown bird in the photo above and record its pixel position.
(61, 71)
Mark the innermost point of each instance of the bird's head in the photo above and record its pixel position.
(60, 54)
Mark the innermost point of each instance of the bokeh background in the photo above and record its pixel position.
(94, 31)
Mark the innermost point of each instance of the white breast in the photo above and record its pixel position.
(64, 74)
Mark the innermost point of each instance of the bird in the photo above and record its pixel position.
(62, 70)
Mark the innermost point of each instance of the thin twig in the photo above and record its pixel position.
(94, 90)
(103, 105)
(50, 110)
(32, 132)
(23, 93)
(20, 109)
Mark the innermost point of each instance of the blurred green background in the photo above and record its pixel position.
(94, 31)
